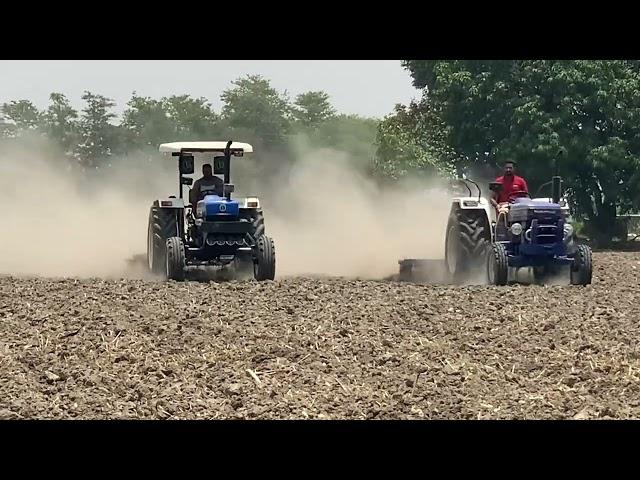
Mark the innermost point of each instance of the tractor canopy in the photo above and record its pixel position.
(236, 149)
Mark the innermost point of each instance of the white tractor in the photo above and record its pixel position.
(217, 231)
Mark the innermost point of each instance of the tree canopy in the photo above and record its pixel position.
(472, 115)
(482, 112)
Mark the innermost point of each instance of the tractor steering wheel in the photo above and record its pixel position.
(518, 194)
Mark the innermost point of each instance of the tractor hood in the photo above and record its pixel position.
(537, 204)
(524, 209)
(217, 207)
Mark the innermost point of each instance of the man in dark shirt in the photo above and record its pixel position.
(209, 184)
(511, 183)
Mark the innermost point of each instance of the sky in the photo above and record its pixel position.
(369, 88)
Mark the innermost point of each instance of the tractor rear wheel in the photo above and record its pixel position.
(582, 268)
(465, 244)
(163, 224)
(265, 259)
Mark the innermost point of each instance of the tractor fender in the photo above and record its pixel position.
(251, 202)
(472, 203)
(169, 202)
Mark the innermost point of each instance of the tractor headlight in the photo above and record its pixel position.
(252, 202)
(516, 229)
(200, 209)
(568, 230)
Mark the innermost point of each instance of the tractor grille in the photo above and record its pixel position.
(546, 229)
(233, 241)
(547, 234)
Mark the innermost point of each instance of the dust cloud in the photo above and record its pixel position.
(328, 218)
(57, 223)
(324, 213)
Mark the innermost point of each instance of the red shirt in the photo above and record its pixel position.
(511, 184)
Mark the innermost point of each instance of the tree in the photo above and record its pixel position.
(60, 121)
(312, 108)
(410, 142)
(147, 123)
(98, 135)
(7, 127)
(193, 118)
(253, 106)
(351, 135)
(23, 113)
(530, 109)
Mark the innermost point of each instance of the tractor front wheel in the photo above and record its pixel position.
(265, 259)
(175, 264)
(497, 264)
(582, 268)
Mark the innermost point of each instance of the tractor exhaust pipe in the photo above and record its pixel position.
(556, 181)
(227, 167)
(556, 189)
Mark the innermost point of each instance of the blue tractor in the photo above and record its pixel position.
(538, 235)
(523, 233)
(217, 231)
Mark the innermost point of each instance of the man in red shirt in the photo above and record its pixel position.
(510, 183)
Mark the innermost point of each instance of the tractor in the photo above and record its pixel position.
(482, 241)
(488, 245)
(217, 231)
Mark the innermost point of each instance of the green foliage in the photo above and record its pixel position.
(312, 109)
(7, 127)
(530, 109)
(99, 136)
(60, 121)
(193, 118)
(253, 106)
(252, 111)
(473, 115)
(147, 123)
(411, 142)
(350, 134)
(23, 113)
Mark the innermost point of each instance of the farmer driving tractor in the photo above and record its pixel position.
(207, 185)
(512, 186)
